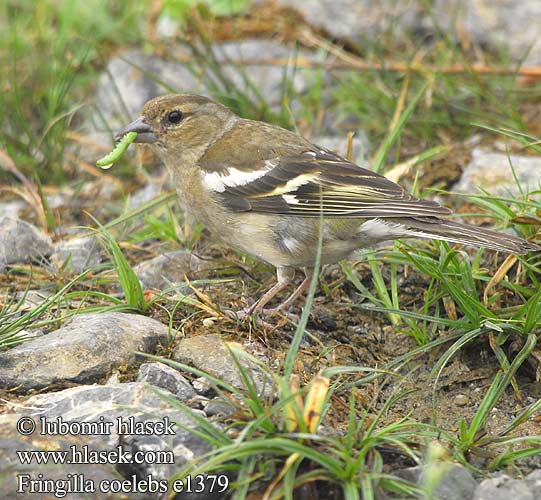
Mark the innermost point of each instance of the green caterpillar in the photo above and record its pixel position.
(108, 160)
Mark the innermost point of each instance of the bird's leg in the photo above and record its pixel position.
(284, 275)
(286, 304)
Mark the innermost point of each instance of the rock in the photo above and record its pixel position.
(202, 386)
(64, 197)
(31, 299)
(499, 488)
(184, 448)
(21, 242)
(167, 27)
(29, 334)
(165, 377)
(494, 23)
(210, 354)
(359, 19)
(87, 403)
(77, 254)
(133, 78)
(144, 195)
(168, 270)
(100, 189)
(135, 403)
(129, 81)
(12, 208)
(503, 487)
(457, 482)
(220, 406)
(13, 443)
(86, 348)
(492, 171)
(534, 482)
(267, 79)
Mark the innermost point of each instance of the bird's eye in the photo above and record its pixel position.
(174, 117)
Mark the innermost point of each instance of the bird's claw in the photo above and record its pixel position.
(247, 314)
(284, 312)
(257, 315)
(238, 315)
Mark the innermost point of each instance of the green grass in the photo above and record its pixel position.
(245, 99)
(463, 281)
(180, 9)
(273, 445)
(51, 56)
(280, 438)
(14, 319)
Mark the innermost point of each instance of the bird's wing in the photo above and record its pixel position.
(312, 182)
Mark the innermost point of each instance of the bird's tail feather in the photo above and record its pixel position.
(467, 234)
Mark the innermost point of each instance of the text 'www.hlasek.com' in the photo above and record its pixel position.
(120, 457)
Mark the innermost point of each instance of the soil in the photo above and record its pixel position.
(347, 334)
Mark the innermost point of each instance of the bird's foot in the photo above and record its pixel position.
(250, 313)
(238, 315)
(284, 312)
(247, 314)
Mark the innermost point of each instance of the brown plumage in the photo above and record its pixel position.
(265, 190)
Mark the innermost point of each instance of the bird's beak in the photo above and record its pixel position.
(144, 131)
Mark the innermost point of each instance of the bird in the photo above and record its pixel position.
(268, 192)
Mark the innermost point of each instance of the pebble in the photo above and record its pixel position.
(461, 400)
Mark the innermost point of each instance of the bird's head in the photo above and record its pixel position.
(174, 123)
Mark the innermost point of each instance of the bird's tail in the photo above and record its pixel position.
(456, 232)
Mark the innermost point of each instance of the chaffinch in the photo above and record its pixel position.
(266, 191)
